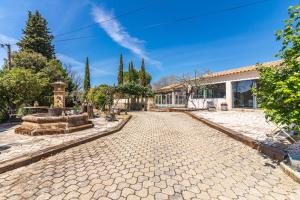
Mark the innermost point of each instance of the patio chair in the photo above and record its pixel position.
(211, 106)
(279, 129)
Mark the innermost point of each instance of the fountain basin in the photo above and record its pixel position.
(44, 124)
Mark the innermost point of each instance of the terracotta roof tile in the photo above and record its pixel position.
(244, 69)
(224, 73)
(169, 87)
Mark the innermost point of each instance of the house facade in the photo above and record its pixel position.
(232, 87)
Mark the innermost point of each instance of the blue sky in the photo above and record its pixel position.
(218, 41)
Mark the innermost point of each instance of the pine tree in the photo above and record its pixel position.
(37, 36)
(120, 73)
(142, 74)
(87, 82)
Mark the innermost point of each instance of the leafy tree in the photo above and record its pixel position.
(20, 86)
(35, 58)
(135, 90)
(87, 83)
(279, 86)
(120, 72)
(142, 74)
(100, 96)
(51, 70)
(28, 60)
(37, 36)
(148, 79)
(55, 71)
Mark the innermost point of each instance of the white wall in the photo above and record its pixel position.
(201, 103)
(228, 79)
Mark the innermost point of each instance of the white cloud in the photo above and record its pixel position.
(104, 67)
(118, 33)
(97, 69)
(67, 60)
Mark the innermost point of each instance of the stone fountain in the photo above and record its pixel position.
(54, 122)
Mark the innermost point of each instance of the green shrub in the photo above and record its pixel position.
(279, 86)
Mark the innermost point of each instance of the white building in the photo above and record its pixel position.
(232, 87)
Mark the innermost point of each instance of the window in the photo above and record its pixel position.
(242, 94)
(169, 98)
(179, 100)
(211, 91)
(158, 99)
(163, 99)
(199, 94)
(217, 91)
(179, 97)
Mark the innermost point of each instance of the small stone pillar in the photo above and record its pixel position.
(88, 108)
(59, 94)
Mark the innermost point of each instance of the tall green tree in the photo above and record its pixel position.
(133, 75)
(142, 75)
(120, 72)
(87, 81)
(130, 72)
(279, 86)
(37, 36)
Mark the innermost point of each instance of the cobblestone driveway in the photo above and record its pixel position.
(156, 155)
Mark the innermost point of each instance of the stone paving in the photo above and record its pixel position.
(20, 145)
(155, 156)
(251, 124)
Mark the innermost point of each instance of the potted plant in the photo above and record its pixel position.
(224, 106)
(54, 111)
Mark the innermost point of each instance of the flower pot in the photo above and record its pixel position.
(224, 107)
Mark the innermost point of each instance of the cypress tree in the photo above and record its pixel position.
(130, 77)
(142, 74)
(87, 82)
(37, 36)
(120, 73)
(132, 73)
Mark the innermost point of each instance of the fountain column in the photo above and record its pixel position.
(54, 122)
(59, 94)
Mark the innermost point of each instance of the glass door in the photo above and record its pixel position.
(242, 94)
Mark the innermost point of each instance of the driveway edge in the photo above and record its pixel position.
(270, 151)
(290, 172)
(44, 153)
